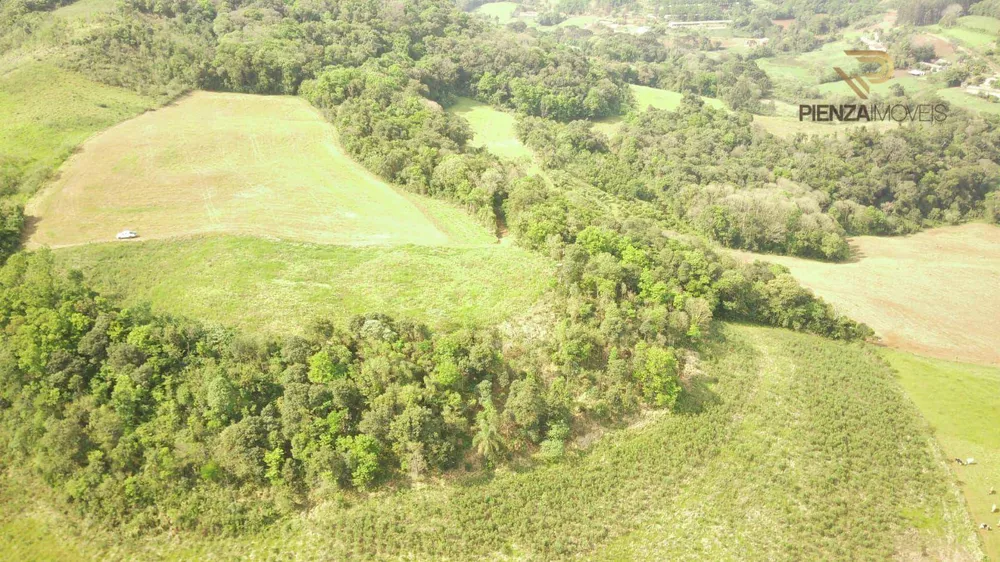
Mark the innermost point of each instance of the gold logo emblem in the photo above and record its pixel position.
(857, 82)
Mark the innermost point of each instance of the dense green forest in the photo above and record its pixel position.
(749, 189)
(149, 422)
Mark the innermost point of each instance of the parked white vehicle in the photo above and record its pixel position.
(127, 235)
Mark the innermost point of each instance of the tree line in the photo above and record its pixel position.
(746, 188)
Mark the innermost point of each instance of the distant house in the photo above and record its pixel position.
(753, 43)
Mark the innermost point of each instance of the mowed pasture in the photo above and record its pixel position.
(784, 447)
(962, 404)
(48, 111)
(934, 293)
(276, 288)
(229, 163)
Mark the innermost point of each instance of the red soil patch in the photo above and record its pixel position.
(941, 47)
(783, 23)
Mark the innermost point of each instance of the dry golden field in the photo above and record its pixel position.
(935, 293)
(238, 164)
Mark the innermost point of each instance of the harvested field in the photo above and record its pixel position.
(229, 163)
(934, 293)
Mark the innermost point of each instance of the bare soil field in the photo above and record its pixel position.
(230, 163)
(935, 293)
(942, 47)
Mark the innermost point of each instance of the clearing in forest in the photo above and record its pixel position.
(502, 11)
(933, 293)
(656, 98)
(494, 129)
(230, 163)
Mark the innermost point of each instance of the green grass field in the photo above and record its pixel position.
(84, 9)
(274, 287)
(231, 163)
(502, 11)
(645, 98)
(785, 447)
(962, 404)
(960, 98)
(493, 129)
(928, 293)
(980, 23)
(974, 38)
(47, 112)
(665, 99)
(805, 69)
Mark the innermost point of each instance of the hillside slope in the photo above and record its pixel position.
(785, 447)
(931, 293)
(267, 286)
(233, 163)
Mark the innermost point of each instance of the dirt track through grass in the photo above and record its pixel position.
(230, 163)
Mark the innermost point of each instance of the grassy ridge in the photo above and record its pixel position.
(278, 287)
(47, 112)
(786, 447)
(962, 404)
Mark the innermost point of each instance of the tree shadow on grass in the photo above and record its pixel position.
(29, 229)
(698, 394)
(856, 254)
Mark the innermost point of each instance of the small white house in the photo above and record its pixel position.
(127, 235)
(916, 72)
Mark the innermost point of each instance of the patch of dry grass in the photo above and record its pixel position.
(231, 163)
(933, 293)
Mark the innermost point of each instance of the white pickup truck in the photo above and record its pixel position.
(127, 235)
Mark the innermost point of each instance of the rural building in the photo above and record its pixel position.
(707, 24)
